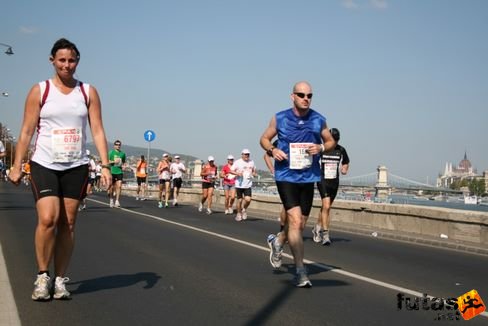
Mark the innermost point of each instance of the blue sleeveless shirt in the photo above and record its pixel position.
(295, 129)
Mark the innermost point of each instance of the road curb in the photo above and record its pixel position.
(9, 316)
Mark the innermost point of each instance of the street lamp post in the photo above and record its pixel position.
(5, 130)
(9, 50)
(12, 140)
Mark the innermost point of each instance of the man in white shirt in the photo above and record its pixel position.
(177, 168)
(3, 152)
(245, 170)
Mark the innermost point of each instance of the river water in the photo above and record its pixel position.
(450, 202)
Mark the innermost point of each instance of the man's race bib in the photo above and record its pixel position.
(330, 170)
(299, 158)
(66, 145)
(247, 174)
(117, 161)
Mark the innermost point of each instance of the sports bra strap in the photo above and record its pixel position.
(46, 93)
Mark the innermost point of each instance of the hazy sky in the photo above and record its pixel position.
(406, 82)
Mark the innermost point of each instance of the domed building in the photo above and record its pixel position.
(465, 165)
(464, 170)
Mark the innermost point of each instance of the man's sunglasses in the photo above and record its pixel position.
(302, 95)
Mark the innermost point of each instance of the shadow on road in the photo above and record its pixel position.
(115, 281)
(333, 239)
(288, 290)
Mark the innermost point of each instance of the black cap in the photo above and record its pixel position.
(335, 134)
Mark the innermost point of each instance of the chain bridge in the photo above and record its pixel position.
(384, 181)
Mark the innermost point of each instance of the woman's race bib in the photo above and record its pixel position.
(66, 145)
(165, 175)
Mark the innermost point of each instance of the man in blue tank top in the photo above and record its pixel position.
(302, 135)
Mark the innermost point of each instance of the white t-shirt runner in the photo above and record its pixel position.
(177, 169)
(247, 168)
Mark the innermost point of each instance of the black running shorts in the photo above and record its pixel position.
(141, 180)
(243, 192)
(69, 183)
(177, 182)
(327, 189)
(207, 185)
(296, 194)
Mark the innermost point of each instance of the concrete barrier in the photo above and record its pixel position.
(458, 229)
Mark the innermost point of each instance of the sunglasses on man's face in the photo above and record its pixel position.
(302, 95)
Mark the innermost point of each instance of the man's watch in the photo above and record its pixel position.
(270, 151)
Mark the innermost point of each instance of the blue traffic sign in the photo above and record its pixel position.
(149, 135)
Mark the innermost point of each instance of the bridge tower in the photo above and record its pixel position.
(197, 169)
(382, 187)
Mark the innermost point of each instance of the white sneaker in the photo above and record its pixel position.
(41, 288)
(317, 234)
(117, 204)
(275, 252)
(238, 217)
(111, 203)
(326, 238)
(60, 291)
(209, 211)
(200, 207)
(231, 211)
(137, 198)
(244, 214)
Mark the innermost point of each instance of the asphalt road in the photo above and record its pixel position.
(141, 265)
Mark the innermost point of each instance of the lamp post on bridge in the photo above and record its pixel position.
(4, 130)
(9, 50)
(12, 141)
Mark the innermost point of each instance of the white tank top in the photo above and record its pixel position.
(61, 131)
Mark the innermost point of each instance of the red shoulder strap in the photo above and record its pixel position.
(45, 94)
(84, 93)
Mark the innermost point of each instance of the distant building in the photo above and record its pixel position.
(464, 170)
(485, 176)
